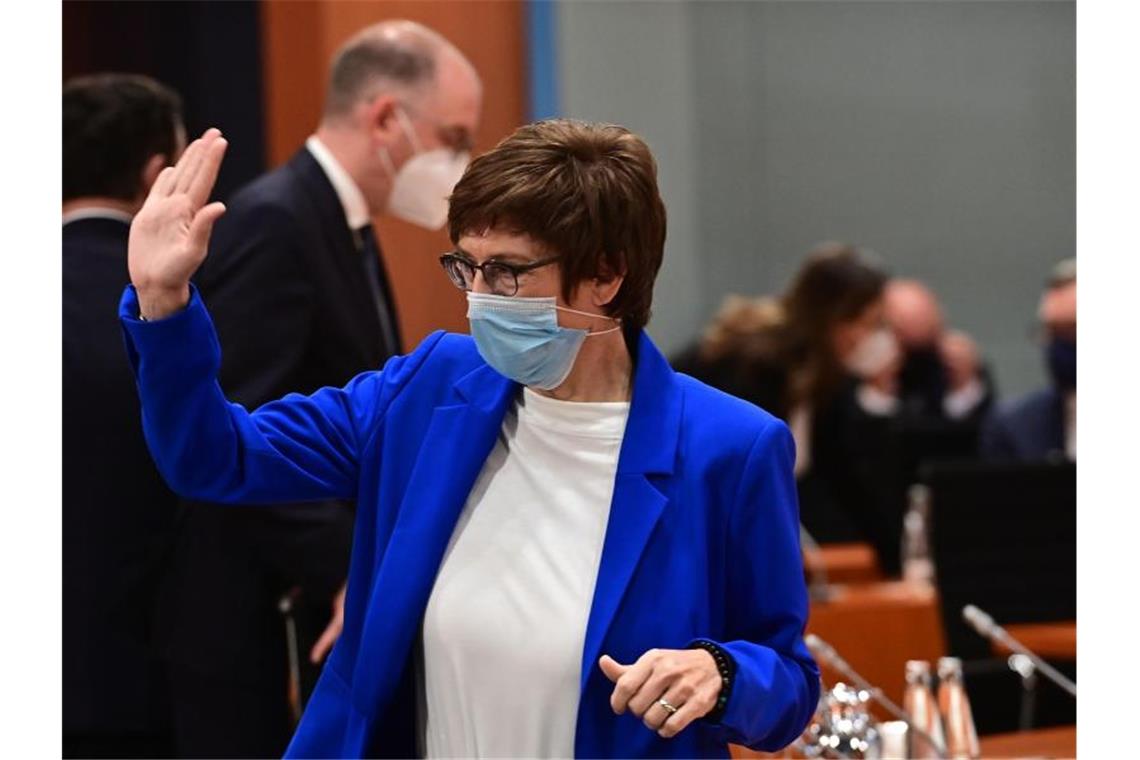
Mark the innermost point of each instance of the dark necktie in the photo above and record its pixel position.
(370, 254)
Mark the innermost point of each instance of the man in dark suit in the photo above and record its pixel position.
(297, 287)
(941, 378)
(118, 516)
(1041, 425)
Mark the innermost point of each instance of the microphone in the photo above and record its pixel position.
(987, 628)
(818, 586)
(826, 652)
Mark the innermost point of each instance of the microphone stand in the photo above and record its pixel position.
(987, 628)
(818, 586)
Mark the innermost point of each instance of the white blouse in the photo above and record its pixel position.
(505, 625)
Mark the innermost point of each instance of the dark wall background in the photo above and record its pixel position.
(210, 52)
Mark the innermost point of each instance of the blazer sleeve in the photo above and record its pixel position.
(300, 448)
(776, 687)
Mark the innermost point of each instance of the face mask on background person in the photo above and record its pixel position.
(1061, 358)
(922, 372)
(872, 354)
(422, 185)
(521, 338)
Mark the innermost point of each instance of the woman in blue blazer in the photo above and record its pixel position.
(562, 547)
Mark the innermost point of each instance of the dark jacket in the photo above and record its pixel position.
(1027, 429)
(118, 514)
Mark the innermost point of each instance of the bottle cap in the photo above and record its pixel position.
(917, 671)
(949, 667)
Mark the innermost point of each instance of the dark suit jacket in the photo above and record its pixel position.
(1028, 429)
(118, 514)
(285, 283)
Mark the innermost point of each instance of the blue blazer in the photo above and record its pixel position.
(702, 539)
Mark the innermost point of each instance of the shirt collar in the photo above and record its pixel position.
(97, 212)
(351, 199)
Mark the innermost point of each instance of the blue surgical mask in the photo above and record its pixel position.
(521, 338)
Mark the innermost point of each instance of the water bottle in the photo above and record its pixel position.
(922, 709)
(961, 734)
(917, 564)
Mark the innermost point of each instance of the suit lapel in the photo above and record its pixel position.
(460, 435)
(648, 450)
(343, 253)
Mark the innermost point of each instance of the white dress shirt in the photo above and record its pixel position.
(355, 207)
(97, 212)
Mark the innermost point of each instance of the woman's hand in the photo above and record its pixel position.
(332, 631)
(169, 235)
(687, 679)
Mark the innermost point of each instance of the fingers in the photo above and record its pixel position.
(655, 714)
(164, 183)
(695, 706)
(326, 641)
(659, 681)
(631, 681)
(611, 668)
(185, 166)
(203, 224)
(191, 161)
(202, 184)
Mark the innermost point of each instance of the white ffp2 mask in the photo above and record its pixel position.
(422, 185)
(872, 354)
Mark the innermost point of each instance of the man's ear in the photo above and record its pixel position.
(380, 116)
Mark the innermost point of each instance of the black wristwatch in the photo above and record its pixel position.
(726, 666)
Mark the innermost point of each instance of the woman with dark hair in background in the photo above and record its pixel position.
(819, 357)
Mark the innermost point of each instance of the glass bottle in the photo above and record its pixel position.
(922, 709)
(961, 734)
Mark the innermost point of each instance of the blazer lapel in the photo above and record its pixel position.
(460, 436)
(648, 452)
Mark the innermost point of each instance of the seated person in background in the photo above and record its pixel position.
(941, 377)
(1042, 425)
(814, 356)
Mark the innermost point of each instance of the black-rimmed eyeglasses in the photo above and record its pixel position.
(502, 278)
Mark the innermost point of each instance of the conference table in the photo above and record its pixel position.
(877, 625)
(1059, 742)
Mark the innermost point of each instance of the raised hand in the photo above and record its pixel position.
(170, 234)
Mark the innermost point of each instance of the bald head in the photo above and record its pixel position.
(401, 58)
(913, 313)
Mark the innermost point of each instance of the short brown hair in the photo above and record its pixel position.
(588, 192)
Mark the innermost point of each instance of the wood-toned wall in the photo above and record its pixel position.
(299, 39)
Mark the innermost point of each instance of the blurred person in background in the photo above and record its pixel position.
(1042, 425)
(297, 289)
(941, 376)
(119, 131)
(563, 548)
(821, 357)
